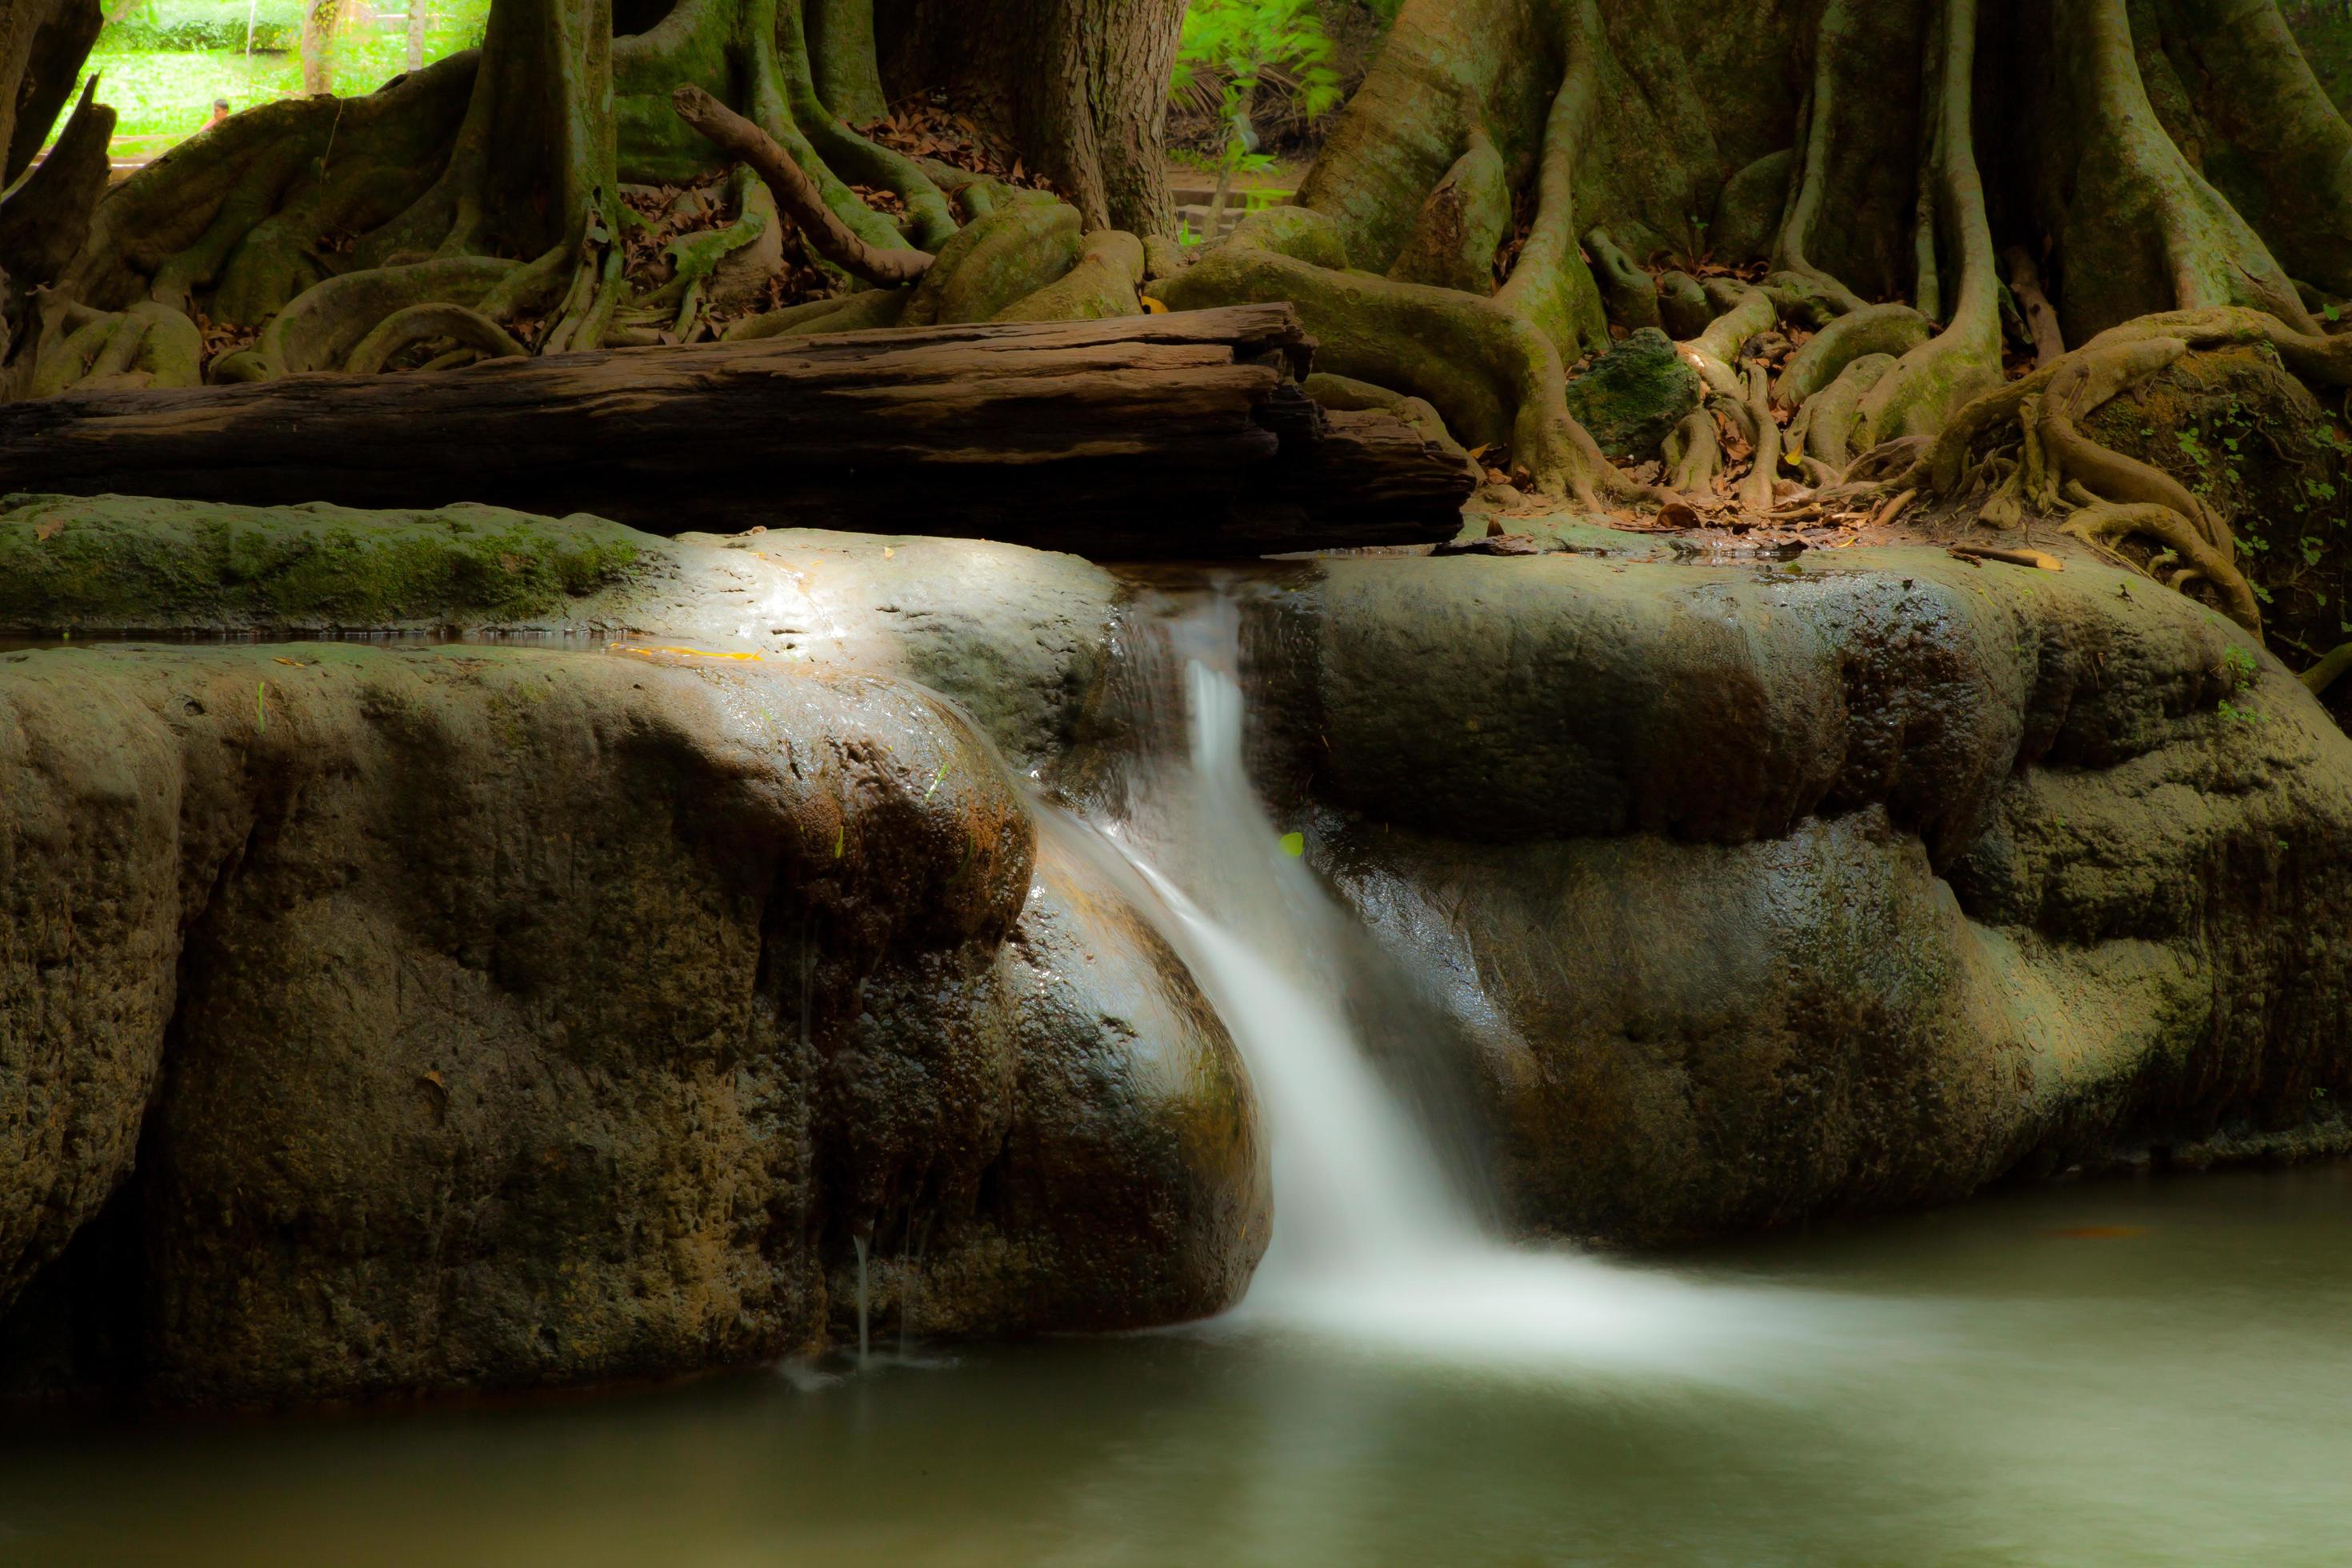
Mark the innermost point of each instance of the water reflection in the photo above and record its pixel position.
(1972, 1385)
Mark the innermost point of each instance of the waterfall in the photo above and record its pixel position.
(1374, 1238)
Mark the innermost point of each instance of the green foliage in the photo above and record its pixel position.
(194, 26)
(2238, 664)
(1232, 46)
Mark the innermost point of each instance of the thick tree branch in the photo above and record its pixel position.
(796, 195)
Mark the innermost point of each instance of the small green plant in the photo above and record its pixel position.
(1231, 49)
(2240, 669)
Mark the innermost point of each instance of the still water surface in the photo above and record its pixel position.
(2133, 1372)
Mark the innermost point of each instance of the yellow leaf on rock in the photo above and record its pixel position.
(681, 652)
(1152, 307)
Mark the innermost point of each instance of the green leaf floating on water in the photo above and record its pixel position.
(1293, 845)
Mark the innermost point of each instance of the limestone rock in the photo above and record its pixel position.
(1759, 896)
(529, 1017)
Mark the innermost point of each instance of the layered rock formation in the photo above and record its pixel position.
(1762, 893)
(399, 1017)
(382, 1019)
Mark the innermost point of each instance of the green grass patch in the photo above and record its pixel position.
(161, 67)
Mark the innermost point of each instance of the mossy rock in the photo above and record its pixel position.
(125, 563)
(1635, 394)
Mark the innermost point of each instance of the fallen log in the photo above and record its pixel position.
(1156, 436)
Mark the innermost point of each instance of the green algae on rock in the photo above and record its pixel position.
(122, 562)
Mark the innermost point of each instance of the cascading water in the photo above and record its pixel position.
(1375, 1239)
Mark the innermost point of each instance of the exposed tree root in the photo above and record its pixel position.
(1893, 329)
(1694, 456)
(1495, 376)
(2107, 522)
(1511, 181)
(146, 345)
(796, 195)
(488, 184)
(426, 324)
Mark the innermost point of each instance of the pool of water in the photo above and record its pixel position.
(2155, 1370)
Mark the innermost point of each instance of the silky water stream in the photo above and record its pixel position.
(1378, 1239)
(2150, 1371)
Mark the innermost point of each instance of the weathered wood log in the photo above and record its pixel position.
(1156, 436)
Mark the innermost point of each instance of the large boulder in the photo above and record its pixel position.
(465, 1017)
(1753, 895)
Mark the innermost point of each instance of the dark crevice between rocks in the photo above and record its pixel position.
(77, 1334)
(80, 1330)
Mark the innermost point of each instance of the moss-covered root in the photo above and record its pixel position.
(1832, 414)
(1004, 258)
(1943, 374)
(1756, 490)
(323, 327)
(147, 345)
(1550, 287)
(1627, 293)
(1873, 330)
(863, 312)
(468, 329)
(2138, 227)
(1747, 313)
(1496, 377)
(797, 193)
(2107, 523)
(1107, 281)
(1693, 454)
(2089, 381)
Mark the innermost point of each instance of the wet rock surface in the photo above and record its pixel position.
(464, 1019)
(1757, 896)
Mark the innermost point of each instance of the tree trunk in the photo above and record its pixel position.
(42, 46)
(320, 19)
(1079, 86)
(1161, 435)
(420, 20)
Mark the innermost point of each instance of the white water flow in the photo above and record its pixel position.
(1373, 1240)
